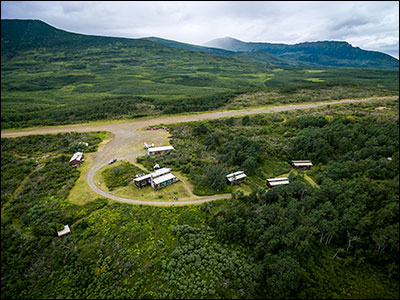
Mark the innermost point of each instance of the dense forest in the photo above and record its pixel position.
(335, 239)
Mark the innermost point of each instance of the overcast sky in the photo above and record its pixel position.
(370, 25)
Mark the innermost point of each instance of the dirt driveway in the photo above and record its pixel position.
(129, 134)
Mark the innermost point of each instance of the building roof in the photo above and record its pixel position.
(235, 174)
(160, 172)
(163, 178)
(278, 181)
(77, 156)
(143, 177)
(162, 148)
(66, 230)
(238, 177)
(301, 163)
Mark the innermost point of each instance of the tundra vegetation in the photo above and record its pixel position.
(337, 240)
(52, 77)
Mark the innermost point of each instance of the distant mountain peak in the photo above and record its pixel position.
(318, 53)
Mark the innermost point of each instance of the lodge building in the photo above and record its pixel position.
(158, 179)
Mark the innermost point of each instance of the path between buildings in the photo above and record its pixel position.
(126, 133)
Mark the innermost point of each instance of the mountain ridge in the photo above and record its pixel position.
(311, 54)
(324, 53)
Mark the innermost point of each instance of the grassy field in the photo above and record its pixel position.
(81, 193)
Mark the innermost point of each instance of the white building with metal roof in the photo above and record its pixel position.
(271, 182)
(159, 150)
(302, 163)
(76, 159)
(65, 231)
(236, 177)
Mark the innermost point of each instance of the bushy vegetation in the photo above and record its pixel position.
(120, 175)
(306, 93)
(114, 251)
(264, 145)
(338, 240)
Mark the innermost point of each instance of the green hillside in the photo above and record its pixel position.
(264, 57)
(321, 53)
(50, 76)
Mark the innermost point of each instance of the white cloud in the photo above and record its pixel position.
(371, 25)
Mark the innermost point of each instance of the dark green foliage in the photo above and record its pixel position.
(354, 145)
(285, 225)
(239, 151)
(13, 171)
(307, 121)
(214, 176)
(52, 143)
(338, 240)
(200, 130)
(201, 268)
(120, 175)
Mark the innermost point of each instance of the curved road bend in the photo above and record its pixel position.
(125, 133)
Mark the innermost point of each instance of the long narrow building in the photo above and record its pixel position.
(236, 177)
(304, 164)
(159, 150)
(271, 182)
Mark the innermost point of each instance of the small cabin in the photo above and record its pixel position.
(236, 177)
(303, 164)
(164, 180)
(159, 150)
(77, 159)
(65, 231)
(271, 182)
(142, 180)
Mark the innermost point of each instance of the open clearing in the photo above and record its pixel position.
(129, 136)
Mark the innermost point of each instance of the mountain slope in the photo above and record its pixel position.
(322, 53)
(265, 57)
(22, 35)
(191, 47)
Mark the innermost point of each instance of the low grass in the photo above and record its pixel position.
(81, 193)
(315, 71)
(168, 193)
(314, 79)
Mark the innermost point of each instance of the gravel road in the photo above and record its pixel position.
(127, 133)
